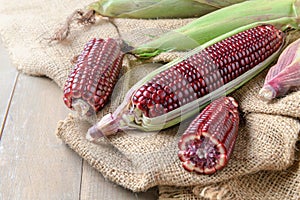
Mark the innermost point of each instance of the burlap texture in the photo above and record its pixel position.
(269, 185)
(138, 160)
(265, 142)
(26, 27)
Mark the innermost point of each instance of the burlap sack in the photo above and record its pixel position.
(284, 184)
(134, 159)
(270, 185)
(265, 142)
(26, 28)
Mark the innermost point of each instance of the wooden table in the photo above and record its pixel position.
(34, 164)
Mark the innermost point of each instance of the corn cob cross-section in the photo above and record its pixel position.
(177, 90)
(207, 144)
(93, 78)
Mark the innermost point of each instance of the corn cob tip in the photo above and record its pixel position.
(82, 108)
(267, 93)
(108, 125)
(93, 134)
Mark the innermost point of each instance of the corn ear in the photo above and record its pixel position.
(142, 9)
(211, 65)
(248, 14)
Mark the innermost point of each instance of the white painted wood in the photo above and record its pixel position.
(34, 163)
(8, 75)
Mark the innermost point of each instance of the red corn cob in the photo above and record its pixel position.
(207, 70)
(206, 145)
(92, 80)
(173, 92)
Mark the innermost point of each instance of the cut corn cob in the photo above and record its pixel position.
(92, 80)
(142, 9)
(207, 144)
(248, 14)
(177, 90)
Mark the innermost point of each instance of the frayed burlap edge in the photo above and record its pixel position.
(84, 148)
(120, 168)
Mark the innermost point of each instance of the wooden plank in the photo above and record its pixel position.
(94, 186)
(34, 164)
(8, 75)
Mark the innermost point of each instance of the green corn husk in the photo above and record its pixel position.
(281, 13)
(140, 9)
(118, 120)
(143, 9)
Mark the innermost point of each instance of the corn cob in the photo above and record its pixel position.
(283, 76)
(207, 144)
(175, 91)
(142, 9)
(247, 14)
(203, 73)
(92, 80)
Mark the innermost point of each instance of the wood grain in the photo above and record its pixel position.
(34, 163)
(8, 76)
(94, 186)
